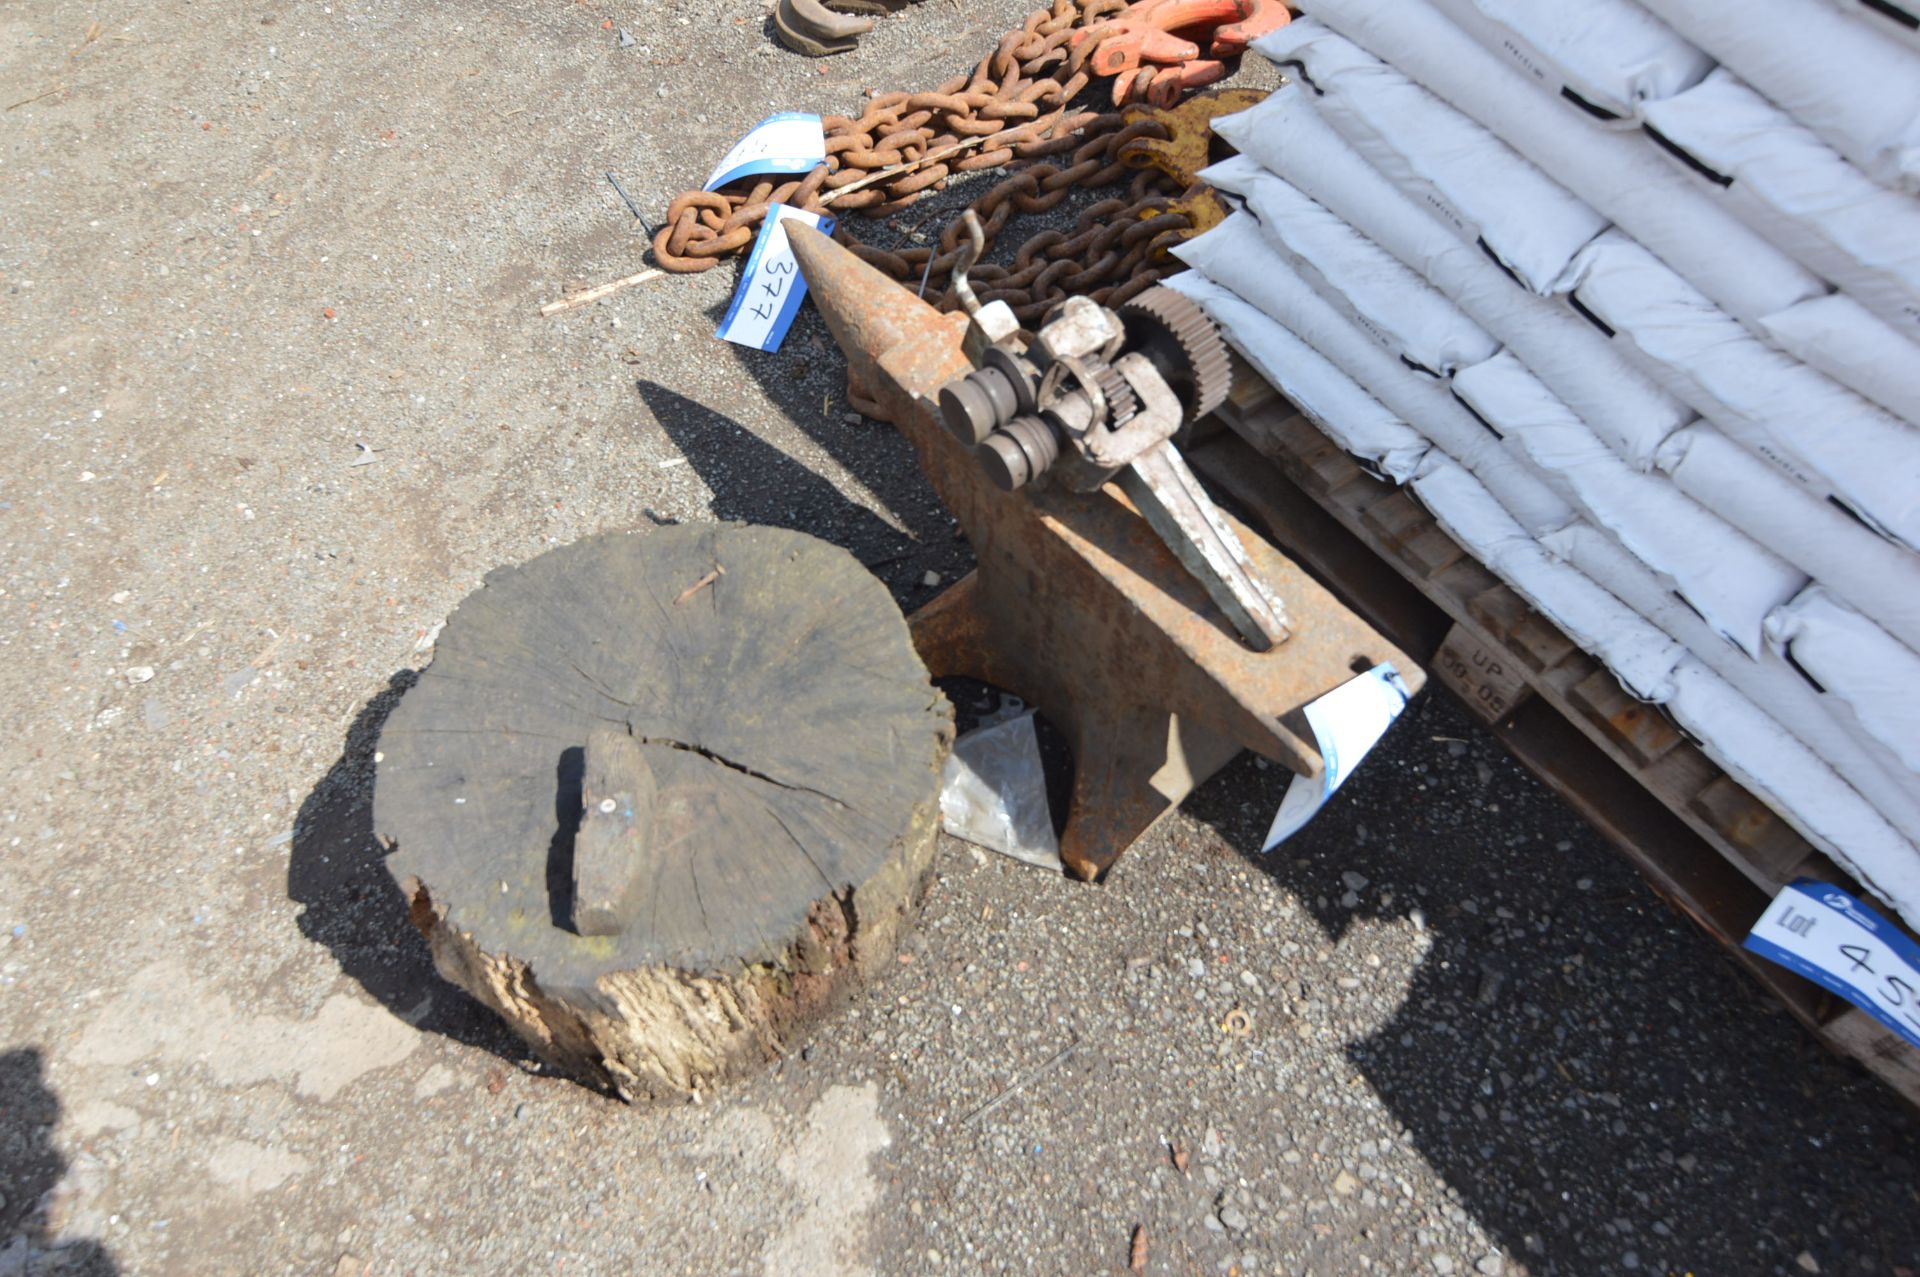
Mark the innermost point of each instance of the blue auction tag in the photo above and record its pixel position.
(1835, 941)
(772, 288)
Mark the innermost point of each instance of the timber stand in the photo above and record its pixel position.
(661, 796)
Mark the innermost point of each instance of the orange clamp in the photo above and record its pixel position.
(1168, 34)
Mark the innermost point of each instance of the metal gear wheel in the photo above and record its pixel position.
(1176, 335)
(1122, 403)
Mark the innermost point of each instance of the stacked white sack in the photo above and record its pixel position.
(1784, 182)
(1482, 190)
(1608, 57)
(1620, 402)
(1363, 426)
(1846, 82)
(1872, 681)
(1725, 576)
(1733, 731)
(1769, 680)
(1623, 177)
(1237, 255)
(1899, 19)
(1824, 436)
(1878, 578)
(1365, 164)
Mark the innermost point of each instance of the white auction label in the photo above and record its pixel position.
(1347, 722)
(1826, 935)
(772, 288)
(791, 142)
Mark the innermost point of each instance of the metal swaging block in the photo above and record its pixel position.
(1079, 607)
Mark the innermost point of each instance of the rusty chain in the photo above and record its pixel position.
(1014, 106)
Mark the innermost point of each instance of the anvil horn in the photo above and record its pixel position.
(871, 315)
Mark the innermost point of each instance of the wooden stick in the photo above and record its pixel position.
(595, 294)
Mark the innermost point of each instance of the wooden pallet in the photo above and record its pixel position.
(1708, 846)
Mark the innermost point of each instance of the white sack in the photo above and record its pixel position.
(1622, 176)
(1836, 335)
(1767, 681)
(1876, 577)
(1870, 680)
(1806, 792)
(1725, 576)
(1394, 306)
(1843, 80)
(1460, 172)
(1607, 56)
(1828, 438)
(1894, 19)
(1236, 254)
(1286, 134)
(1327, 397)
(1780, 179)
(1638, 654)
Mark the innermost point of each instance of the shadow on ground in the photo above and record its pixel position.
(755, 482)
(353, 906)
(29, 1167)
(1602, 1088)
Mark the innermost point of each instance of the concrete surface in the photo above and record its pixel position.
(275, 397)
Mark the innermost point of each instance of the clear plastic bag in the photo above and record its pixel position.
(995, 792)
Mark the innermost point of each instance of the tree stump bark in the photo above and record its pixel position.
(661, 797)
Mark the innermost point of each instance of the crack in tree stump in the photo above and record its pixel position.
(659, 829)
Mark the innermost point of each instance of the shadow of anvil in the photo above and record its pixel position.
(1079, 608)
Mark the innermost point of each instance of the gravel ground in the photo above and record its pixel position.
(275, 398)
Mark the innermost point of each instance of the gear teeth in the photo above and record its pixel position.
(1122, 403)
(1184, 344)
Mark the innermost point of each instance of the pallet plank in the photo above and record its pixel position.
(1711, 848)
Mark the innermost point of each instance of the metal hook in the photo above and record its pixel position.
(969, 254)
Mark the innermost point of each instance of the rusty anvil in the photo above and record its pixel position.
(1079, 608)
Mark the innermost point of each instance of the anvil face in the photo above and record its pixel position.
(1079, 608)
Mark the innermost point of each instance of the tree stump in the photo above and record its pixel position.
(661, 796)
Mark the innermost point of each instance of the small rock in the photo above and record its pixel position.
(1630, 1261)
(1211, 1146)
(626, 39)
(1214, 1225)
(349, 1266)
(1806, 1262)
(1235, 1221)
(1489, 1265)
(660, 92)
(139, 673)
(852, 418)
(1196, 968)
(1584, 884)
(1345, 1184)
(1354, 881)
(1687, 1162)
(1443, 1264)
(930, 580)
(1249, 979)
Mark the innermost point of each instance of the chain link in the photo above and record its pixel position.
(1015, 106)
